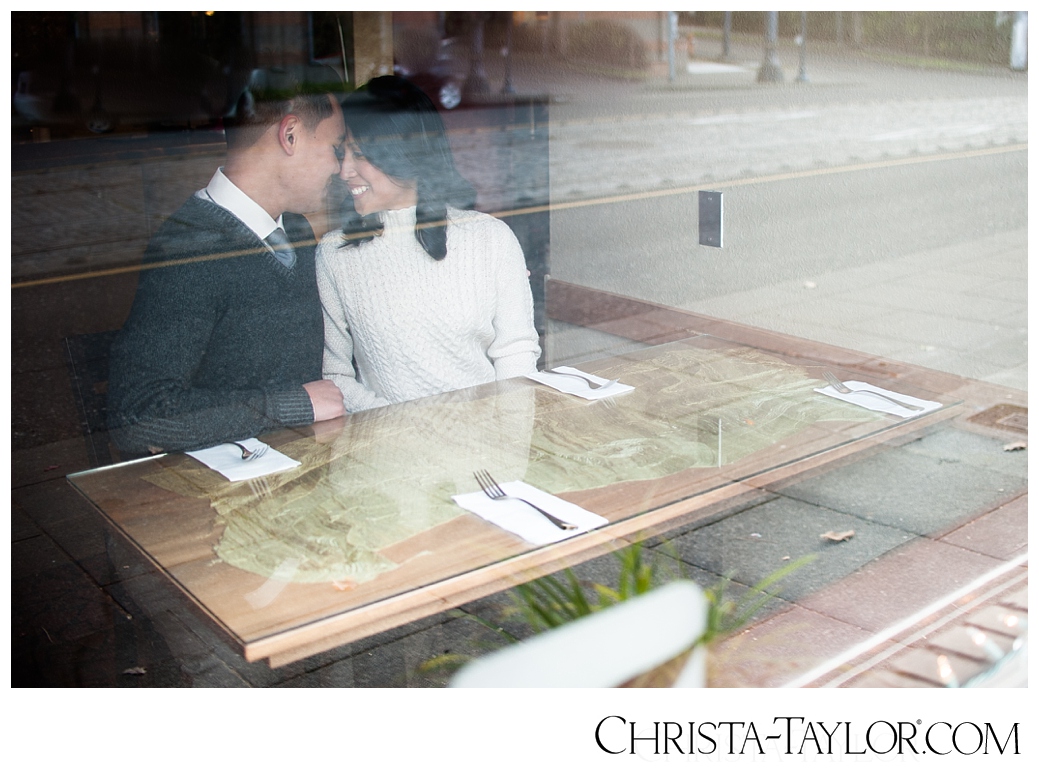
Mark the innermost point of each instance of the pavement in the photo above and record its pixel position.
(942, 287)
(940, 520)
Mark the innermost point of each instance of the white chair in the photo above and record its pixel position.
(605, 649)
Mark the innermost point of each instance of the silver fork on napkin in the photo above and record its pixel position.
(605, 385)
(832, 380)
(248, 455)
(493, 491)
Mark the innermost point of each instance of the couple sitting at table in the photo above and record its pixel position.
(239, 326)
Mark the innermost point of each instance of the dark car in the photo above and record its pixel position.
(439, 74)
(99, 86)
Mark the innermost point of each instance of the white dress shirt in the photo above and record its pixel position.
(229, 197)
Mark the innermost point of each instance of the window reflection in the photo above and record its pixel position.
(874, 196)
(880, 212)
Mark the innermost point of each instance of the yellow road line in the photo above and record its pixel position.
(736, 182)
(611, 200)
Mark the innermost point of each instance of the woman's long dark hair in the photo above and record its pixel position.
(397, 127)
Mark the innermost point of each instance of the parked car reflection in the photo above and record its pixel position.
(441, 76)
(99, 86)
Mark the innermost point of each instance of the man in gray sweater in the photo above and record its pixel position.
(224, 339)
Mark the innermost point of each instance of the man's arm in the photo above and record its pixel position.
(155, 400)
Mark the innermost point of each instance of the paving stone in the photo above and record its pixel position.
(962, 641)
(339, 674)
(900, 584)
(189, 638)
(217, 675)
(61, 606)
(169, 623)
(885, 678)
(779, 650)
(119, 561)
(968, 364)
(1016, 600)
(1012, 290)
(65, 630)
(47, 461)
(739, 596)
(500, 610)
(930, 666)
(753, 544)
(223, 654)
(147, 595)
(398, 632)
(165, 674)
(699, 519)
(128, 648)
(1003, 533)
(915, 493)
(73, 524)
(164, 634)
(400, 663)
(949, 444)
(51, 595)
(1015, 377)
(22, 526)
(1001, 620)
(96, 660)
(36, 555)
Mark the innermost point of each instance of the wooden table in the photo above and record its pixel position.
(364, 536)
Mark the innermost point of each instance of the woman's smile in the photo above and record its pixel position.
(372, 190)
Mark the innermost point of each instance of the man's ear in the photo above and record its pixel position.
(289, 132)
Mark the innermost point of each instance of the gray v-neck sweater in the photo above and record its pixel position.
(220, 339)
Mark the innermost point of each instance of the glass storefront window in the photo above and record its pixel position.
(830, 191)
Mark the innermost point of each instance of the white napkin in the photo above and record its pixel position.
(226, 459)
(523, 520)
(561, 381)
(871, 402)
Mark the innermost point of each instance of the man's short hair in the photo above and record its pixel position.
(254, 114)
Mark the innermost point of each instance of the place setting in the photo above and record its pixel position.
(244, 459)
(526, 511)
(571, 380)
(872, 397)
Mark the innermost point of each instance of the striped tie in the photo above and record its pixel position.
(283, 250)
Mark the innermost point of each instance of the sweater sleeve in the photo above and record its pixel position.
(338, 360)
(153, 405)
(515, 349)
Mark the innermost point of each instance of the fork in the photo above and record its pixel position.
(832, 380)
(493, 491)
(591, 385)
(248, 455)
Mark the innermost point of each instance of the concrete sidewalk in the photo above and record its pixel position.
(963, 311)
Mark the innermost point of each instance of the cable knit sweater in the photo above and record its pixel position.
(415, 326)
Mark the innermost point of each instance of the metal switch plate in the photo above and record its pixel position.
(711, 219)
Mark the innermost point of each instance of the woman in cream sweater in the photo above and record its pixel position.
(420, 295)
